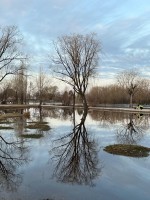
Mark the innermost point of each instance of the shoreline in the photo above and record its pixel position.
(114, 109)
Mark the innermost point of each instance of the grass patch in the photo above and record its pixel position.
(10, 115)
(34, 136)
(39, 125)
(5, 128)
(5, 122)
(35, 122)
(128, 150)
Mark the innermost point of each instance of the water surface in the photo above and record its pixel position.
(67, 162)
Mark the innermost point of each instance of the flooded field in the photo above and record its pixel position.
(56, 154)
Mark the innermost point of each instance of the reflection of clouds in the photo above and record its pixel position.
(57, 117)
(107, 118)
(131, 127)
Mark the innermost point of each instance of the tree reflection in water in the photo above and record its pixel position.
(132, 125)
(77, 156)
(133, 129)
(12, 154)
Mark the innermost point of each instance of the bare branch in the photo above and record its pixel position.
(130, 81)
(10, 54)
(77, 58)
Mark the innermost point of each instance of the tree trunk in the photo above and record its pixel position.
(21, 97)
(85, 105)
(131, 99)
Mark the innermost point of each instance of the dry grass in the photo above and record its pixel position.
(39, 125)
(26, 115)
(128, 150)
(10, 115)
(6, 127)
(34, 136)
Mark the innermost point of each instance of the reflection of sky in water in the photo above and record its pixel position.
(121, 177)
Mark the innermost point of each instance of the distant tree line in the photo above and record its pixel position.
(20, 90)
(114, 94)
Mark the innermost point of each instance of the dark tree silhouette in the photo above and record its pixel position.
(12, 155)
(77, 59)
(10, 53)
(77, 156)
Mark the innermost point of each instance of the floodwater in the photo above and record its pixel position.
(66, 161)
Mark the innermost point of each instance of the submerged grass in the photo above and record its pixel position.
(5, 127)
(128, 150)
(6, 122)
(9, 115)
(34, 136)
(39, 125)
(35, 122)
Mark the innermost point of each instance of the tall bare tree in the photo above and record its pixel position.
(77, 59)
(130, 81)
(10, 54)
(41, 83)
(20, 83)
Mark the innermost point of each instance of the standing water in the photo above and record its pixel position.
(58, 155)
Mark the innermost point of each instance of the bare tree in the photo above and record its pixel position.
(130, 81)
(41, 83)
(67, 98)
(77, 59)
(20, 83)
(143, 95)
(10, 54)
(5, 91)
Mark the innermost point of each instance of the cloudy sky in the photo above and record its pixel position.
(122, 26)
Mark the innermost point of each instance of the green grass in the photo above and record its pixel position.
(34, 136)
(128, 150)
